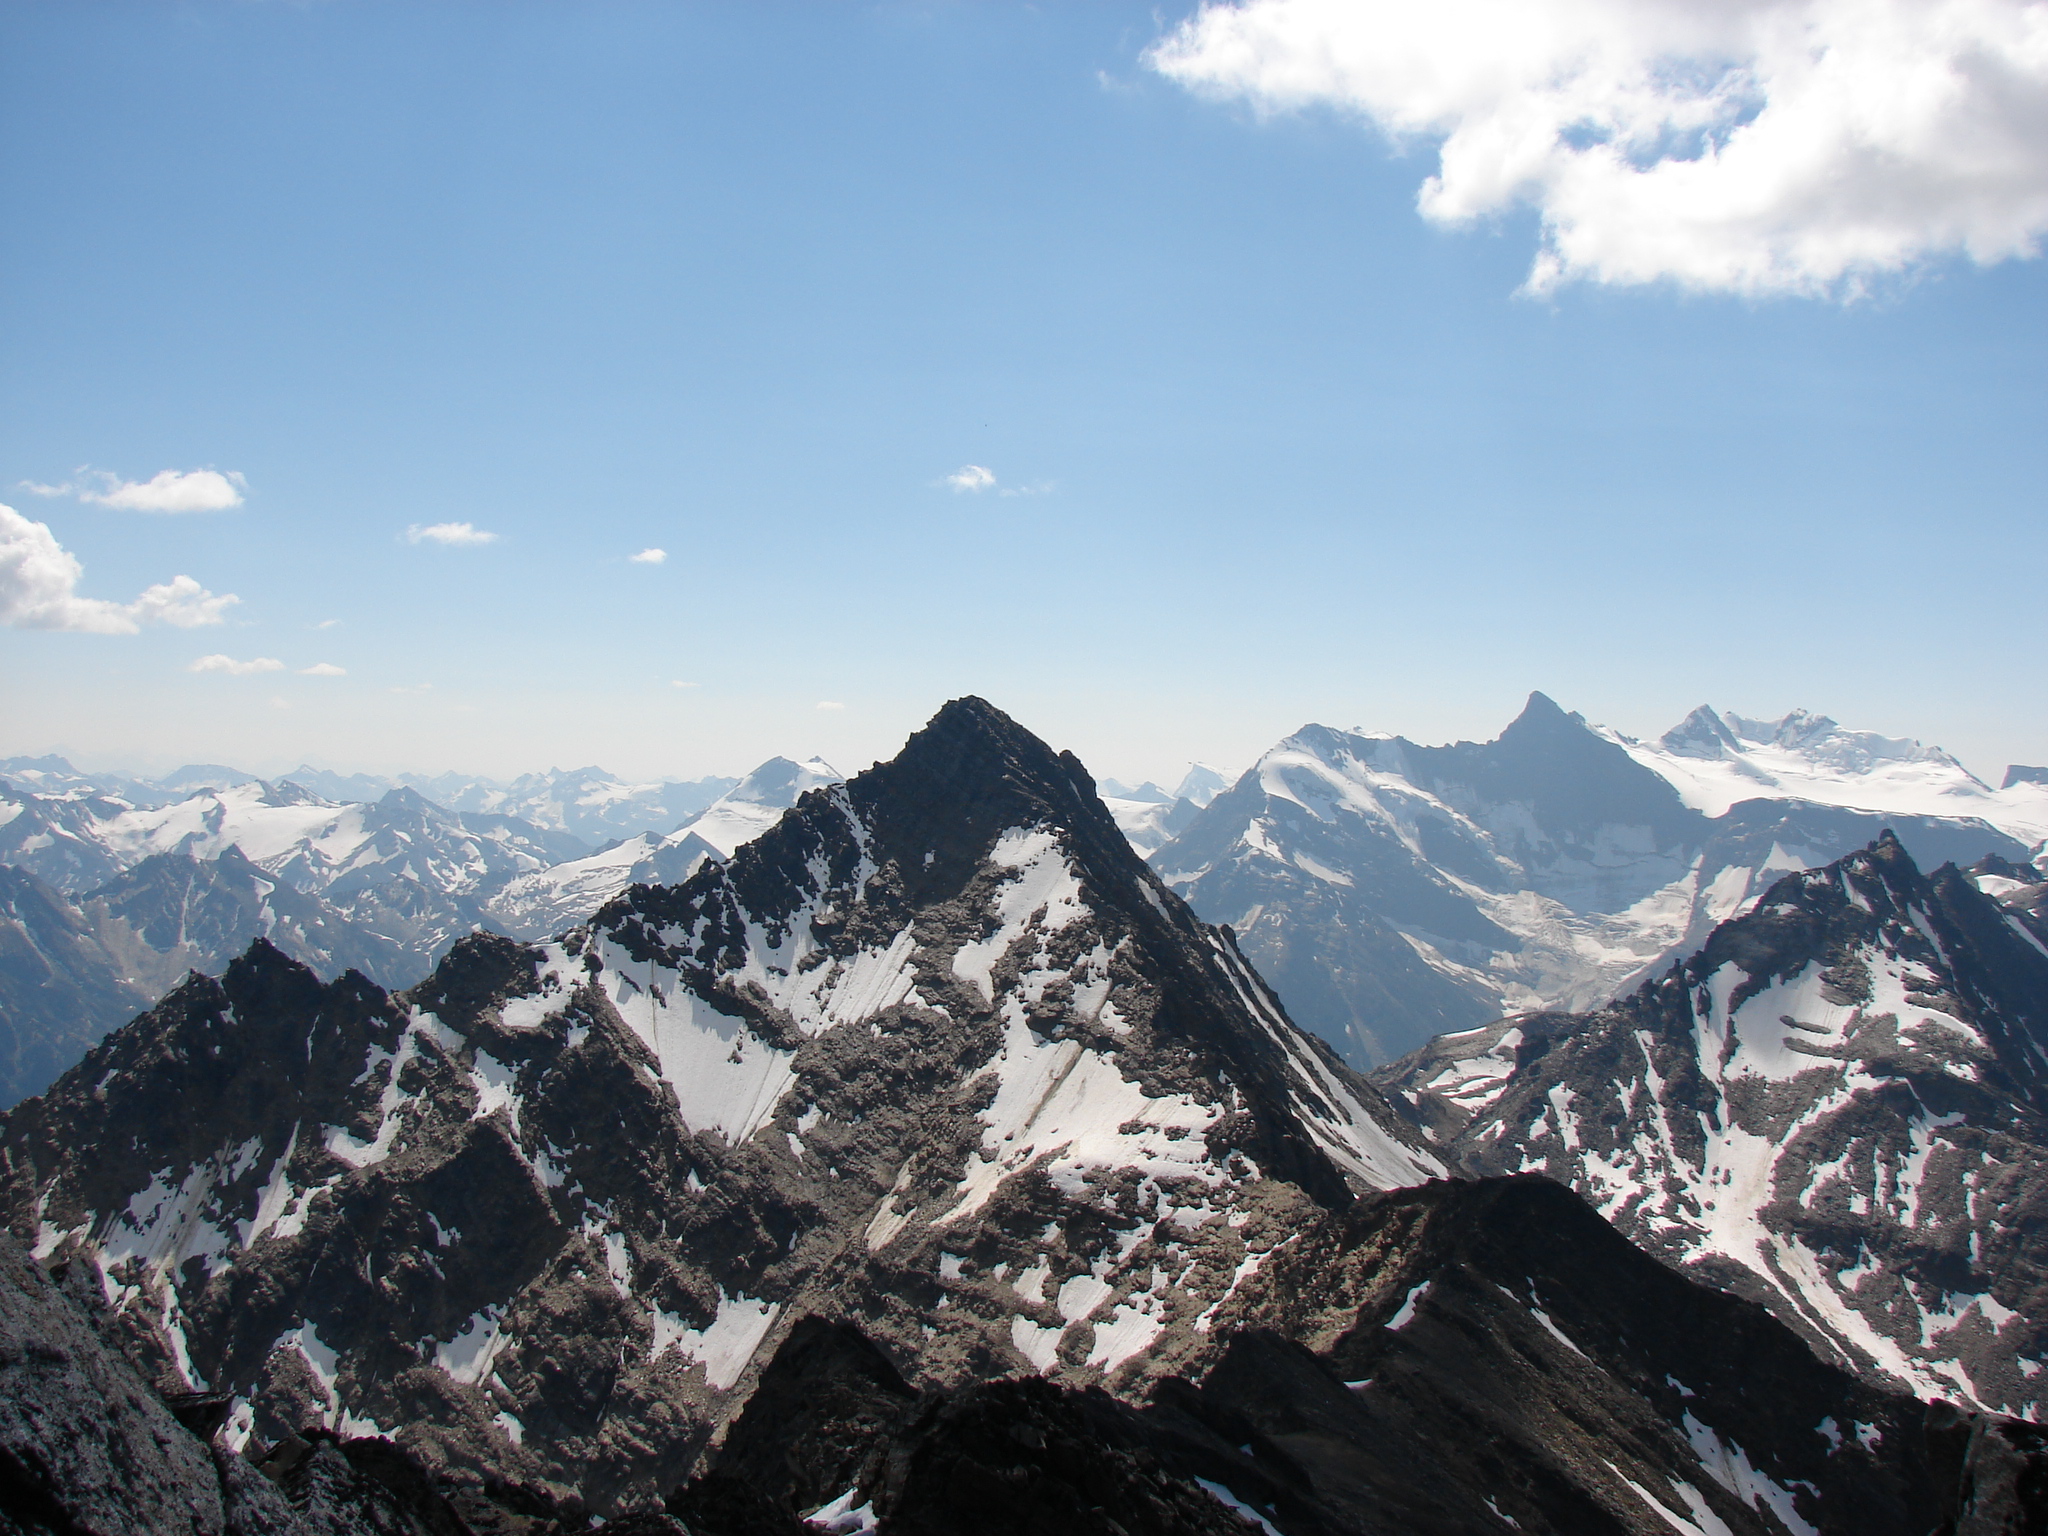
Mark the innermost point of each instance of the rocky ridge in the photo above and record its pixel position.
(1836, 1107)
(1453, 1358)
(936, 1054)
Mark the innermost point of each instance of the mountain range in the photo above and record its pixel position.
(1392, 892)
(928, 1166)
(937, 1054)
(109, 902)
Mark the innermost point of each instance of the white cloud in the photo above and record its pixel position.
(182, 602)
(971, 477)
(1749, 146)
(649, 557)
(327, 624)
(235, 668)
(39, 589)
(323, 669)
(448, 533)
(679, 683)
(171, 490)
(828, 704)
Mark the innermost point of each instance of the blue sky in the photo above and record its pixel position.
(747, 283)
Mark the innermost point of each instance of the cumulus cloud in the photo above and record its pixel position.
(971, 477)
(323, 669)
(234, 668)
(448, 533)
(39, 589)
(1746, 146)
(649, 556)
(172, 490)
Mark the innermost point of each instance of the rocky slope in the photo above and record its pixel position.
(1839, 1106)
(1392, 892)
(937, 1054)
(1450, 1359)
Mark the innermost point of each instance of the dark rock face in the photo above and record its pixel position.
(937, 1055)
(1836, 1107)
(1485, 1356)
(1392, 892)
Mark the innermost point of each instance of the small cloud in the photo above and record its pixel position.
(37, 488)
(327, 624)
(971, 477)
(1043, 488)
(168, 490)
(829, 704)
(649, 556)
(323, 669)
(234, 668)
(679, 683)
(182, 603)
(448, 533)
(277, 703)
(39, 589)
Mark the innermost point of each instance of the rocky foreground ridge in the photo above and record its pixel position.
(1458, 1357)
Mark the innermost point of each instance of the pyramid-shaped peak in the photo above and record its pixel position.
(1542, 717)
(975, 765)
(1701, 734)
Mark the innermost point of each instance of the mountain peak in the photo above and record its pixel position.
(1542, 709)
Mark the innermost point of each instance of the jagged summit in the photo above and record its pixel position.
(936, 1055)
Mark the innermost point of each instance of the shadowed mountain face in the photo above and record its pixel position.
(937, 1054)
(1454, 1358)
(1392, 892)
(61, 986)
(1839, 1106)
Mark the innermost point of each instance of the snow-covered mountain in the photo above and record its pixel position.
(1393, 891)
(544, 902)
(590, 803)
(1150, 816)
(1718, 760)
(871, 1155)
(1839, 1106)
(314, 844)
(937, 1052)
(386, 887)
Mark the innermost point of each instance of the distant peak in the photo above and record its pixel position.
(1701, 734)
(2020, 773)
(1542, 714)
